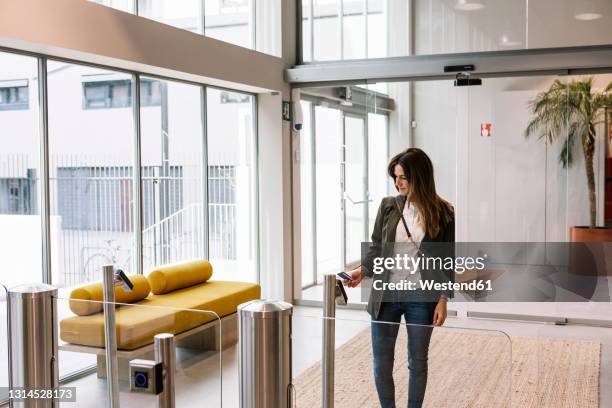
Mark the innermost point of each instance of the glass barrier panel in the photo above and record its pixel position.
(443, 366)
(200, 338)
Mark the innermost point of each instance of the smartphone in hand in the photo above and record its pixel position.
(344, 275)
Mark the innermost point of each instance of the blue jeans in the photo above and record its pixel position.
(383, 349)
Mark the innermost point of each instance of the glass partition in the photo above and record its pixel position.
(200, 337)
(453, 366)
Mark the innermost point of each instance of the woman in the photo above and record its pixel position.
(421, 219)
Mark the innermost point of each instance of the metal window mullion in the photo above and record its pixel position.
(311, 22)
(203, 17)
(137, 176)
(45, 196)
(205, 196)
(342, 191)
(365, 30)
(299, 38)
(253, 25)
(255, 128)
(313, 189)
(341, 26)
(366, 178)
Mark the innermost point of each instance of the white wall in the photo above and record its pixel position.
(514, 189)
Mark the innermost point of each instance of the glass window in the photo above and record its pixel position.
(230, 21)
(172, 174)
(231, 185)
(268, 32)
(377, 29)
(91, 172)
(14, 94)
(123, 5)
(117, 93)
(306, 30)
(20, 238)
(185, 14)
(449, 26)
(326, 30)
(353, 29)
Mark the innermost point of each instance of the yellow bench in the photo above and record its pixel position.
(173, 289)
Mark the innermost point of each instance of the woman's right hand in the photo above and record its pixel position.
(356, 275)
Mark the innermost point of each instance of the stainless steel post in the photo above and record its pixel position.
(264, 332)
(165, 353)
(110, 336)
(32, 337)
(329, 339)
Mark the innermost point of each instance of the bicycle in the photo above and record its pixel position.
(109, 255)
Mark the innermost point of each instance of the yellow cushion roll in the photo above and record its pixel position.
(167, 278)
(80, 297)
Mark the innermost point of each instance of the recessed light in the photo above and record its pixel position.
(588, 16)
(466, 5)
(588, 10)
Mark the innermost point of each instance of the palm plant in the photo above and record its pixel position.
(570, 111)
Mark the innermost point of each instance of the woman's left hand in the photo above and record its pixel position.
(440, 312)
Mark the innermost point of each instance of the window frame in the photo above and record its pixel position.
(138, 210)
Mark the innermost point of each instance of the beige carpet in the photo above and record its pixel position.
(469, 370)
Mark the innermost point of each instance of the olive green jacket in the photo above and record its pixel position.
(385, 227)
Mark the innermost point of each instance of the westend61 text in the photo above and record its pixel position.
(429, 285)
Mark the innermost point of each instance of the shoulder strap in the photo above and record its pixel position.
(399, 209)
(418, 249)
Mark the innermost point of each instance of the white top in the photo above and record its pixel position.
(413, 220)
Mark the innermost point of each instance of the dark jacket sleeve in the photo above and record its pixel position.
(374, 248)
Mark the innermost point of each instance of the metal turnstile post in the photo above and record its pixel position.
(110, 336)
(32, 338)
(329, 339)
(165, 353)
(264, 332)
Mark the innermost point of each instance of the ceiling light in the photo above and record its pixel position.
(467, 5)
(588, 16)
(588, 10)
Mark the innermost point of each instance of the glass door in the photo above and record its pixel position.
(328, 190)
(356, 197)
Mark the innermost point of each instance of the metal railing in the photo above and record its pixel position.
(92, 216)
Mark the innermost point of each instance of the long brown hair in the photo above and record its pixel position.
(419, 172)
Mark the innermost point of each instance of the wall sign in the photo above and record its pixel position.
(486, 130)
